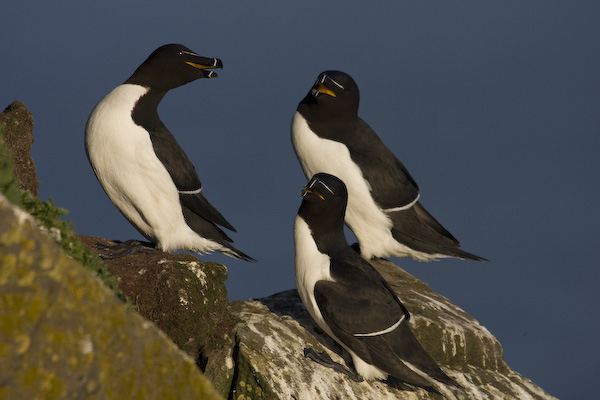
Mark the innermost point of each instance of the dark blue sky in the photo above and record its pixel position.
(493, 108)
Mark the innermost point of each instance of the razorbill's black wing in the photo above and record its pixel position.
(348, 298)
(383, 205)
(143, 169)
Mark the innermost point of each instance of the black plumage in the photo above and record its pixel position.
(143, 169)
(329, 136)
(352, 301)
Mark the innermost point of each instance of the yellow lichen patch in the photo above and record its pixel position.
(19, 313)
(22, 343)
(91, 386)
(26, 279)
(41, 383)
(64, 335)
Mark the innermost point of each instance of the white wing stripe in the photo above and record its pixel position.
(190, 191)
(391, 328)
(406, 207)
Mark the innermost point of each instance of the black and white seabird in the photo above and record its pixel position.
(348, 298)
(384, 211)
(142, 168)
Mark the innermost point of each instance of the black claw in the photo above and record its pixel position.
(325, 360)
(127, 248)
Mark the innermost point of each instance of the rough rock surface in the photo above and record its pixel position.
(186, 298)
(16, 126)
(64, 335)
(275, 330)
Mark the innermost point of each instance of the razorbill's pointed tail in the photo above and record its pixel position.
(348, 298)
(142, 168)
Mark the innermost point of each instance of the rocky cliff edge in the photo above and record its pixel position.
(63, 334)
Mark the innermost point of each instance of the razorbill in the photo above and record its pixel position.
(384, 211)
(348, 298)
(142, 168)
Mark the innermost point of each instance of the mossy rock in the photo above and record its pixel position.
(65, 335)
(273, 332)
(16, 129)
(186, 298)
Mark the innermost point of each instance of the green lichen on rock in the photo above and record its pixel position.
(9, 185)
(448, 333)
(273, 332)
(64, 335)
(186, 298)
(16, 127)
(199, 327)
(248, 383)
(46, 214)
(251, 380)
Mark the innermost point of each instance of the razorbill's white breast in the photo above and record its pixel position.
(142, 168)
(384, 211)
(348, 298)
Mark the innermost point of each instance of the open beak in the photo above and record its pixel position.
(206, 63)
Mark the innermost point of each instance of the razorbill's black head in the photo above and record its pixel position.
(384, 211)
(336, 91)
(173, 65)
(142, 168)
(348, 298)
(323, 208)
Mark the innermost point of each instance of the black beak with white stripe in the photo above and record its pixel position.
(173, 65)
(348, 298)
(384, 211)
(143, 169)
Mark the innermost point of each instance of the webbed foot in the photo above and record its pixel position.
(325, 360)
(127, 248)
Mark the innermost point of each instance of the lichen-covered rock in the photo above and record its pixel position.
(64, 335)
(186, 298)
(16, 126)
(275, 330)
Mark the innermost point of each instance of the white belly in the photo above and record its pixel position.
(369, 223)
(313, 266)
(131, 174)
